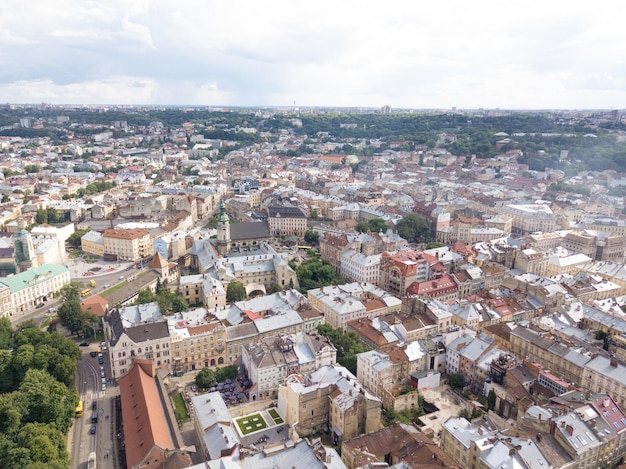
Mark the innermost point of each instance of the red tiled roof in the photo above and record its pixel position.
(143, 414)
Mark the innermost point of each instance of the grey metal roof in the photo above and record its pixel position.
(249, 230)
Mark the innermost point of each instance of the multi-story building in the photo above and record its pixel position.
(401, 269)
(93, 243)
(606, 375)
(329, 397)
(35, 286)
(567, 363)
(530, 218)
(198, 340)
(532, 261)
(6, 307)
(286, 221)
(129, 245)
(476, 447)
(400, 445)
(344, 303)
(202, 289)
(578, 439)
(358, 267)
(442, 288)
(136, 332)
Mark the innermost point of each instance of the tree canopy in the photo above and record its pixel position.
(347, 344)
(413, 227)
(235, 291)
(36, 405)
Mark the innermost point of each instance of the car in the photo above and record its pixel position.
(105, 286)
(103, 345)
(92, 430)
(100, 360)
(40, 305)
(84, 344)
(94, 405)
(93, 354)
(104, 387)
(104, 380)
(121, 277)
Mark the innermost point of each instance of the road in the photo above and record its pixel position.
(104, 280)
(81, 442)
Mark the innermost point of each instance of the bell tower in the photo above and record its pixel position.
(223, 231)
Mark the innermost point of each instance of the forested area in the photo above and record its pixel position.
(37, 404)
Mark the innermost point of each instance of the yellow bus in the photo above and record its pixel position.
(79, 409)
(85, 292)
(92, 283)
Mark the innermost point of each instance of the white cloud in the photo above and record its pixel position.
(243, 52)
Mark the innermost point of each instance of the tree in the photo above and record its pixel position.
(74, 238)
(362, 227)
(70, 315)
(235, 291)
(434, 245)
(229, 371)
(145, 296)
(5, 199)
(491, 399)
(314, 214)
(412, 227)
(206, 378)
(456, 381)
(41, 216)
(377, 224)
(32, 168)
(311, 236)
(45, 443)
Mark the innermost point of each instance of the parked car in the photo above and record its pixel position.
(94, 405)
(84, 344)
(93, 354)
(92, 430)
(100, 360)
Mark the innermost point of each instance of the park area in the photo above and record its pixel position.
(251, 423)
(275, 417)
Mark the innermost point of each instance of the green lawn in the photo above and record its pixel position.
(113, 288)
(275, 416)
(180, 411)
(250, 423)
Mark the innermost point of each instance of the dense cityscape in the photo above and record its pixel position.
(220, 287)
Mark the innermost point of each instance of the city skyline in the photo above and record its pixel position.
(403, 54)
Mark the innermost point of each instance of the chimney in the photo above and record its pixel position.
(512, 452)
(570, 429)
(606, 401)
(613, 362)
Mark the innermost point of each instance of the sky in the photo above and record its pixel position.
(420, 54)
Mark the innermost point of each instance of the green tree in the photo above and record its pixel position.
(491, 399)
(145, 296)
(314, 214)
(32, 168)
(52, 215)
(70, 315)
(229, 371)
(206, 378)
(412, 227)
(45, 444)
(362, 227)
(434, 245)
(74, 238)
(311, 236)
(456, 381)
(6, 333)
(235, 291)
(377, 225)
(41, 216)
(5, 199)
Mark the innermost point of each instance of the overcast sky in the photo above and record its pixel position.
(413, 53)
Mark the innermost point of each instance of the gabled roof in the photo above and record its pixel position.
(143, 413)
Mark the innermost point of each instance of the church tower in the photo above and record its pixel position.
(25, 257)
(223, 232)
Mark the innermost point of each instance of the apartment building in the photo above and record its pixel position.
(606, 375)
(136, 332)
(128, 245)
(529, 218)
(476, 447)
(92, 243)
(442, 288)
(286, 221)
(198, 340)
(358, 267)
(401, 269)
(532, 261)
(567, 363)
